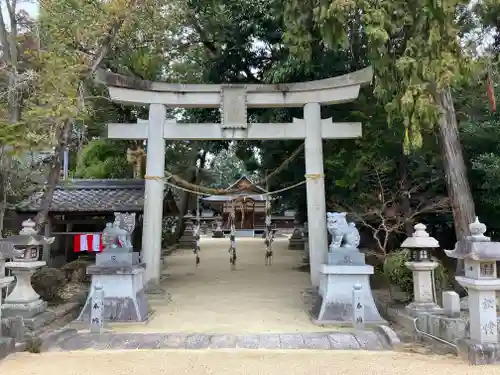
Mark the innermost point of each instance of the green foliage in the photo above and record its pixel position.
(104, 159)
(413, 46)
(398, 274)
(48, 283)
(395, 269)
(482, 145)
(226, 167)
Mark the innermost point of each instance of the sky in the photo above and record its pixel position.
(30, 6)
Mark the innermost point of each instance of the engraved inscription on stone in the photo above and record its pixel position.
(489, 328)
(347, 260)
(488, 303)
(487, 269)
(233, 107)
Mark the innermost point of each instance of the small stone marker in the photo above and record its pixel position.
(358, 307)
(97, 309)
(451, 304)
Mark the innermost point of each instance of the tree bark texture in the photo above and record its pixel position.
(455, 169)
(454, 166)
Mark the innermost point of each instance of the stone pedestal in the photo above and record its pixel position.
(4, 282)
(423, 288)
(124, 295)
(344, 269)
(23, 301)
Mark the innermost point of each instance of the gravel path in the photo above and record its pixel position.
(212, 298)
(236, 362)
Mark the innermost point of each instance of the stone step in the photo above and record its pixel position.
(337, 340)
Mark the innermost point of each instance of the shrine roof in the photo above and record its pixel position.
(227, 198)
(99, 196)
(246, 189)
(244, 183)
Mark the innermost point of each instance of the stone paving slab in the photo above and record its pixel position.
(367, 340)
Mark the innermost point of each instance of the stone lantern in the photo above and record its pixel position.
(421, 245)
(480, 255)
(23, 300)
(187, 239)
(218, 232)
(305, 232)
(296, 241)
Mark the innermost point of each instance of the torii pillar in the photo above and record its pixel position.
(233, 100)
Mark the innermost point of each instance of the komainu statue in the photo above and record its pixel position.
(343, 234)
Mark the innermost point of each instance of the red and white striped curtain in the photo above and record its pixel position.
(91, 242)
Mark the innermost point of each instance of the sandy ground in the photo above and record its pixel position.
(236, 362)
(213, 299)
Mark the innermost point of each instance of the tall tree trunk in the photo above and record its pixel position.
(405, 196)
(455, 169)
(53, 175)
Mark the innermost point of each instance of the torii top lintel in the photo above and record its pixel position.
(341, 89)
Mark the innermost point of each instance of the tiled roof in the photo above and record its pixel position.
(98, 196)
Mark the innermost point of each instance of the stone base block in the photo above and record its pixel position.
(120, 309)
(218, 234)
(115, 258)
(333, 305)
(125, 299)
(477, 353)
(13, 328)
(187, 242)
(345, 257)
(416, 308)
(26, 310)
(39, 321)
(7, 346)
(296, 244)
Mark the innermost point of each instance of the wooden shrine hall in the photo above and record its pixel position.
(249, 204)
(85, 206)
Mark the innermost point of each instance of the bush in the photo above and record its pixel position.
(76, 271)
(48, 283)
(33, 345)
(395, 269)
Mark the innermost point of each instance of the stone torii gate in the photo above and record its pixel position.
(233, 101)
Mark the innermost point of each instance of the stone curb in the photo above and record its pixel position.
(389, 336)
(54, 338)
(361, 340)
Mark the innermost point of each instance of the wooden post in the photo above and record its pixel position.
(47, 247)
(68, 241)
